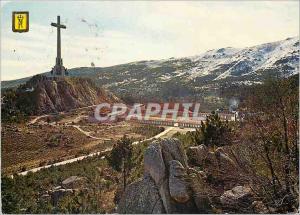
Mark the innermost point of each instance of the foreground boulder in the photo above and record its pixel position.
(197, 154)
(165, 166)
(224, 160)
(240, 199)
(177, 184)
(220, 168)
(172, 149)
(57, 194)
(141, 197)
(73, 182)
(154, 163)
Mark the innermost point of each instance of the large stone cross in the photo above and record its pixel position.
(59, 69)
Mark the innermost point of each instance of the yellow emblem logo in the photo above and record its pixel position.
(20, 21)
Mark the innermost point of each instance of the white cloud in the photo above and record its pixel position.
(2, 3)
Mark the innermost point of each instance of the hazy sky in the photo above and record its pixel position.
(109, 33)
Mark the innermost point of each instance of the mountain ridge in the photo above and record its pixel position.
(204, 73)
(44, 95)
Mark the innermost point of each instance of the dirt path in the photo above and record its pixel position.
(156, 136)
(33, 121)
(64, 162)
(86, 133)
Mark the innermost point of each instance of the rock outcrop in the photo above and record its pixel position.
(169, 185)
(219, 167)
(177, 184)
(165, 164)
(154, 163)
(43, 95)
(73, 182)
(238, 199)
(141, 197)
(69, 186)
(197, 154)
(57, 193)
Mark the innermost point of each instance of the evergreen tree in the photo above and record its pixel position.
(121, 158)
(213, 132)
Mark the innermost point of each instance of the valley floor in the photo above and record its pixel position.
(50, 139)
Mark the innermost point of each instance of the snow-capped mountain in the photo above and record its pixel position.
(203, 73)
(282, 55)
(232, 62)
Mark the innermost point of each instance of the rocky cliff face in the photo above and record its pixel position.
(169, 185)
(42, 95)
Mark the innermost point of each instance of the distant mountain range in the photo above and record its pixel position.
(196, 75)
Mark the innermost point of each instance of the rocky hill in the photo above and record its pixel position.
(199, 75)
(42, 95)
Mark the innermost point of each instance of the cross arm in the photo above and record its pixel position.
(58, 25)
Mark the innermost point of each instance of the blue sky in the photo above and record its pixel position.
(109, 33)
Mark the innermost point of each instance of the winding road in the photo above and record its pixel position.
(160, 135)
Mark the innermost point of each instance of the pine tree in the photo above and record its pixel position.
(213, 132)
(121, 158)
